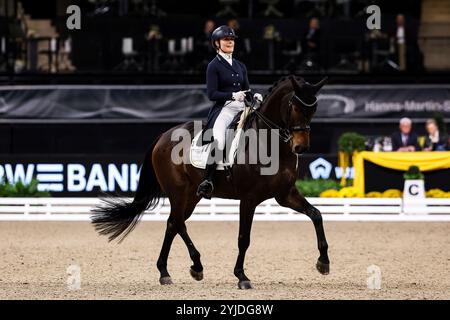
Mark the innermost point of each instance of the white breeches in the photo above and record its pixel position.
(226, 116)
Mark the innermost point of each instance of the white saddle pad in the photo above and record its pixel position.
(199, 154)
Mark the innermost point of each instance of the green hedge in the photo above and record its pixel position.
(20, 190)
(313, 188)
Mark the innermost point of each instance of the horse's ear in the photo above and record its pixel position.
(295, 84)
(316, 87)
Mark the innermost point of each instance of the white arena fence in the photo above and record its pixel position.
(333, 209)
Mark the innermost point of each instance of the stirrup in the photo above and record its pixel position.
(201, 192)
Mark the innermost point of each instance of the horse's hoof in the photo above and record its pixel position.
(245, 285)
(198, 276)
(166, 281)
(323, 268)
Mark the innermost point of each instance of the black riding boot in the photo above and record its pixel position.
(206, 188)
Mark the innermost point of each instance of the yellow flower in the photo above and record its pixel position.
(392, 193)
(436, 193)
(350, 192)
(374, 194)
(330, 193)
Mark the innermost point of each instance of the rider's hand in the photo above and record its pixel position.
(239, 96)
(258, 97)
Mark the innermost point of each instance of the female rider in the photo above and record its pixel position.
(227, 84)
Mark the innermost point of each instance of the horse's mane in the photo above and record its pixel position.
(280, 84)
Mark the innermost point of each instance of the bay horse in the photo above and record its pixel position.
(289, 106)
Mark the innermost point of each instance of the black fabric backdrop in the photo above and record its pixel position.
(191, 102)
(378, 178)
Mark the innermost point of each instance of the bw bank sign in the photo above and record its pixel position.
(86, 176)
(70, 178)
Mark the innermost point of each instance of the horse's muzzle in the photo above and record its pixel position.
(300, 149)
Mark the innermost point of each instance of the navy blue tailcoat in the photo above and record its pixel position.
(222, 80)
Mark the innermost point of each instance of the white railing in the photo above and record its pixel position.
(333, 209)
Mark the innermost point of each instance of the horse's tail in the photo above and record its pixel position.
(117, 218)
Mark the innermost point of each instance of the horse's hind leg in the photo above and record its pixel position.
(294, 200)
(176, 225)
(171, 232)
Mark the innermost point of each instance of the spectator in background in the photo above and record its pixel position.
(123, 8)
(242, 44)
(234, 24)
(311, 41)
(435, 141)
(203, 48)
(400, 41)
(406, 48)
(154, 37)
(405, 140)
(207, 31)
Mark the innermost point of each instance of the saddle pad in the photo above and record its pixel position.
(199, 154)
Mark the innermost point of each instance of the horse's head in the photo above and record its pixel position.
(301, 107)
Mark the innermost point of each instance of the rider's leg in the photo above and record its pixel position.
(224, 119)
(206, 188)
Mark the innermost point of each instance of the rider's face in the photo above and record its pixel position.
(227, 45)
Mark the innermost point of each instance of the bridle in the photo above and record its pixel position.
(305, 128)
(286, 134)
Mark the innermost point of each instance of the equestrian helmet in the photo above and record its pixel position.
(220, 33)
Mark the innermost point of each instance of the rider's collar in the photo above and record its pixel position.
(226, 56)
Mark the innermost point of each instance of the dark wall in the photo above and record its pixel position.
(43, 9)
(128, 138)
(69, 138)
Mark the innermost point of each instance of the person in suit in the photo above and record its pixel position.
(227, 84)
(405, 140)
(435, 140)
(311, 41)
(407, 51)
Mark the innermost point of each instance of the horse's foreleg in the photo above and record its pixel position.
(294, 200)
(247, 211)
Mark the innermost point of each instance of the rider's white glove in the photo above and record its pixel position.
(239, 96)
(258, 97)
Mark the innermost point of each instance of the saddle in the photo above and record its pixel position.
(200, 149)
(242, 120)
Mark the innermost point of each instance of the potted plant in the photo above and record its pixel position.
(413, 173)
(349, 143)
